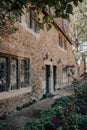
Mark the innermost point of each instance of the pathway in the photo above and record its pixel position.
(19, 119)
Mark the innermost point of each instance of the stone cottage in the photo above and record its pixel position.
(33, 62)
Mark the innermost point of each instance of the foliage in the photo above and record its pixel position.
(63, 114)
(81, 121)
(78, 23)
(11, 9)
(63, 101)
(81, 99)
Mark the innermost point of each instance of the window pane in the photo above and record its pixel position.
(60, 41)
(31, 23)
(3, 74)
(64, 73)
(28, 17)
(24, 73)
(14, 76)
(65, 45)
(31, 18)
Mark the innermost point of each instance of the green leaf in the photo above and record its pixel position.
(66, 16)
(58, 14)
(39, 10)
(41, 26)
(48, 27)
(69, 9)
(62, 1)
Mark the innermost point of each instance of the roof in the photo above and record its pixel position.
(58, 27)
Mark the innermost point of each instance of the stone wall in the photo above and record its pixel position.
(26, 43)
(10, 104)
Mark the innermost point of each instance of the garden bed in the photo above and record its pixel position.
(66, 113)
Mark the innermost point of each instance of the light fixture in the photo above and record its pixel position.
(46, 55)
(59, 61)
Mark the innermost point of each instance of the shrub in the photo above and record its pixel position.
(81, 99)
(81, 121)
(63, 101)
(66, 113)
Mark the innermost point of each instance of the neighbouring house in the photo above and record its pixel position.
(33, 62)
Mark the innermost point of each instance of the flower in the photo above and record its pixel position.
(70, 66)
(71, 103)
(53, 117)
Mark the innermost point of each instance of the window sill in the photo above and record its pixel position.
(62, 49)
(13, 93)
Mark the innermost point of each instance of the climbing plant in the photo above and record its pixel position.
(10, 9)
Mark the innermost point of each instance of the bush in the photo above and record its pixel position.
(63, 101)
(81, 99)
(81, 121)
(82, 92)
(66, 113)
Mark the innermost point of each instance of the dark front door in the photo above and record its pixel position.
(54, 76)
(47, 78)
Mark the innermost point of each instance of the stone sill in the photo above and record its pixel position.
(13, 93)
(62, 49)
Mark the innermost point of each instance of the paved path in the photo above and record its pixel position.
(19, 119)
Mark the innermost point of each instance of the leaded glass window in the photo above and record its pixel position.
(13, 74)
(24, 73)
(3, 74)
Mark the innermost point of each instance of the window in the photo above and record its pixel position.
(31, 23)
(3, 74)
(65, 45)
(14, 72)
(65, 25)
(24, 73)
(60, 41)
(64, 73)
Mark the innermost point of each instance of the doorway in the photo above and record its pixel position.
(47, 78)
(54, 77)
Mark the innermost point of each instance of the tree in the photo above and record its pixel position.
(10, 9)
(78, 23)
